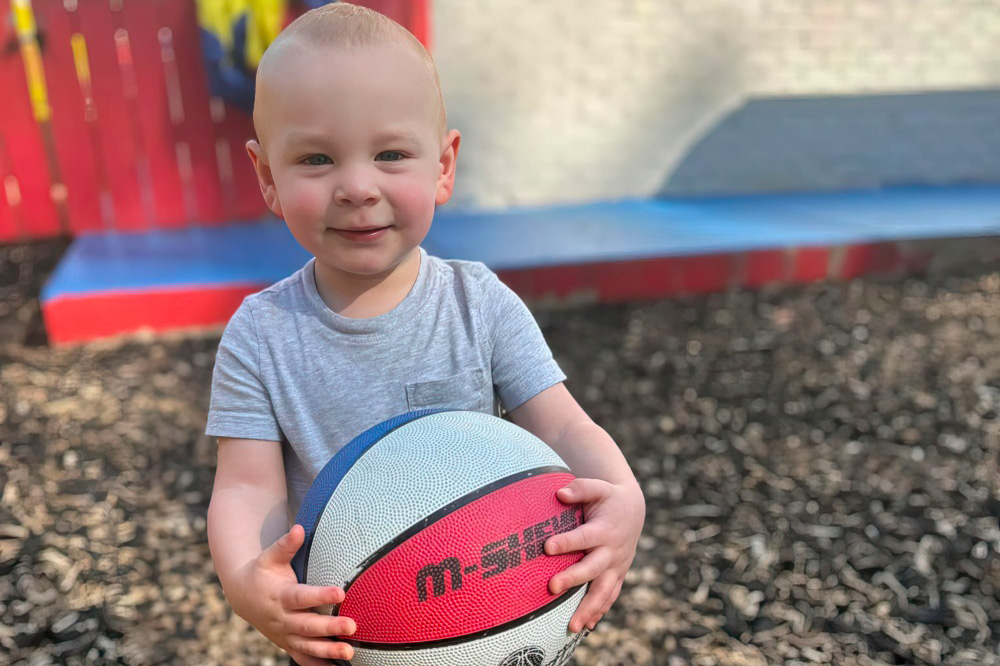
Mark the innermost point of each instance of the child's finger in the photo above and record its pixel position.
(616, 585)
(595, 603)
(584, 490)
(303, 596)
(321, 647)
(615, 591)
(585, 537)
(302, 659)
(586, 570)
(283, 550)
(315, 625)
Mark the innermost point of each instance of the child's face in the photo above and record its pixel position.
(350, 154)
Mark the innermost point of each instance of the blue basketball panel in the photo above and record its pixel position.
(333, 472)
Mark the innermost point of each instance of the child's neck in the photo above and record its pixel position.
(363, 296)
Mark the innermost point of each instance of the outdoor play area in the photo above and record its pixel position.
(762, 240)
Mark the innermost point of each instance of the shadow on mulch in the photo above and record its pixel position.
(24, 268)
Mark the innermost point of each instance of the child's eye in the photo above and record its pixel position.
(389, 156)
(317, 160)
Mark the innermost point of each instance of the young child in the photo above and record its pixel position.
(353, 152)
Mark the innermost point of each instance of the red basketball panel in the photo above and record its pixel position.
(476, 568)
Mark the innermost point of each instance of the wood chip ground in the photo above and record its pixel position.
(820, 465)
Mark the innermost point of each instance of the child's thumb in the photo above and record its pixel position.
(583, 490)
(283, 550)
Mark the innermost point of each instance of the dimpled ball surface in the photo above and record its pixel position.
(435, 529)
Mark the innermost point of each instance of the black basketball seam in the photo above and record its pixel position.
(442, 642)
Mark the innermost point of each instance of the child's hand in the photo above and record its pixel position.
(270, 598)
(612, 520)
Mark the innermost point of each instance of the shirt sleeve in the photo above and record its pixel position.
(241, 404)
(522, 363)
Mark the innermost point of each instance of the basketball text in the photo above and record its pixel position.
(498, 556)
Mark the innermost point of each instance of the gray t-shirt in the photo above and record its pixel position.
(291, 370)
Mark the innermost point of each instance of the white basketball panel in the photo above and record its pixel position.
(409, 474)
(547, 633)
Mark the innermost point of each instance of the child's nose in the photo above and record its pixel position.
(356, 188)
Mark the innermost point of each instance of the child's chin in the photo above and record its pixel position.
(372, 269)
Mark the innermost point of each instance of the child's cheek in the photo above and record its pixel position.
(307, 203)
(415, 195)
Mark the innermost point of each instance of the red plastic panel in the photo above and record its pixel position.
(161, 170)
(116, 126)
(155, 134)
(476, 568)
(551, 282)
(90, 317)
(645, 278)
(706, 273)
(764, 267)
(626, 280)
(244, 199)
(74, 150)
(24, 147)
(10, 227)
(198, 131)
(870, 259)
(811, 264)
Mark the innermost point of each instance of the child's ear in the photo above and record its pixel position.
(264, 178)
(446, 172)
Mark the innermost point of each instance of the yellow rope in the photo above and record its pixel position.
(80, 60)
(27, 36)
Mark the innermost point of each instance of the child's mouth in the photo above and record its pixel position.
(361, 235)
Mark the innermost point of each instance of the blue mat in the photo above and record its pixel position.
(264, 252)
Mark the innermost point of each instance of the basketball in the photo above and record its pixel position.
(433, 523)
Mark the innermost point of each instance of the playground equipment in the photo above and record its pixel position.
(108, 123)
(112, 132)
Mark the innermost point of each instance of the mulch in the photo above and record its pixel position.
(820, 465)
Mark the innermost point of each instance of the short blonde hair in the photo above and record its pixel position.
(342, 24)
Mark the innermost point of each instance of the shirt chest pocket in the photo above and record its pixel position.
(466, 390)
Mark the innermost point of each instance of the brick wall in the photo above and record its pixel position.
(601, 99)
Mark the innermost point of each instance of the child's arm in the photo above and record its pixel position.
(614, 508)
(252, 553)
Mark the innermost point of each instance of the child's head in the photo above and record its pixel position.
(352, 151)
